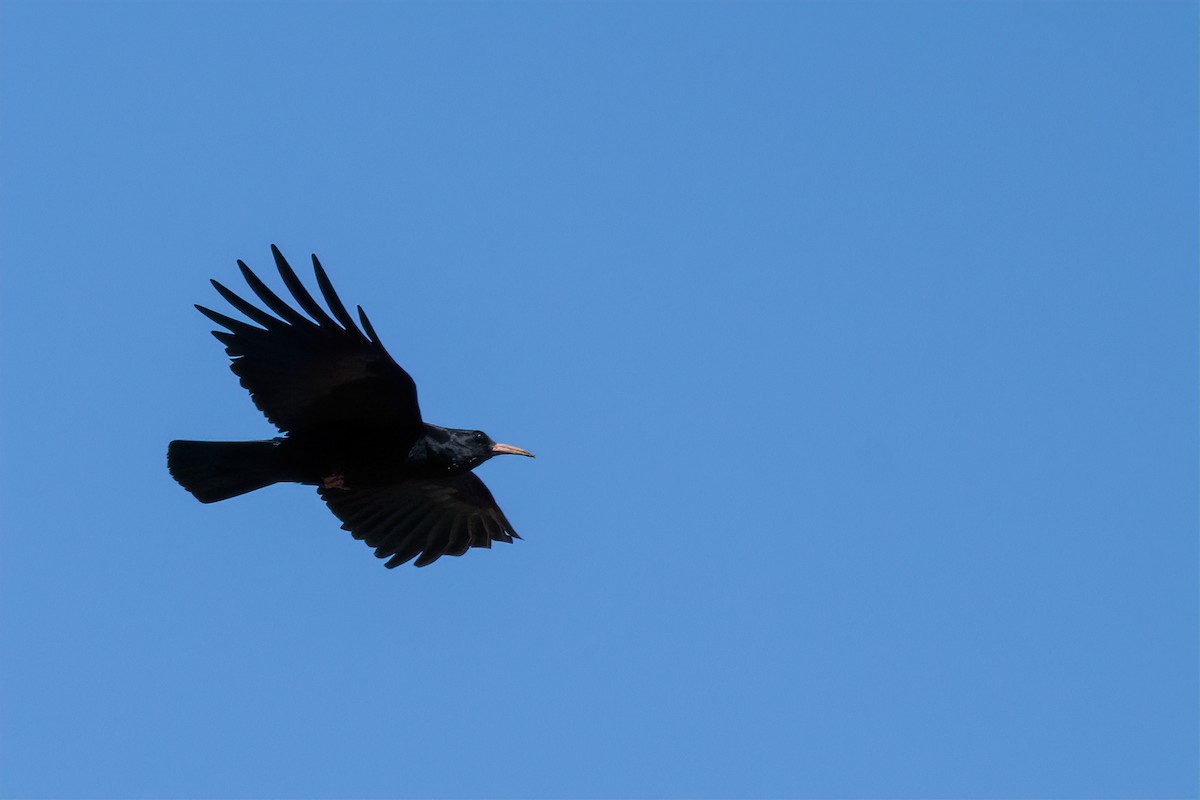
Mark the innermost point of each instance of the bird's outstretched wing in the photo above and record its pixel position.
(425, 517)
(318, 370)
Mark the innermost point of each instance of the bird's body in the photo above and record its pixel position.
(352, 428)
(360, 456)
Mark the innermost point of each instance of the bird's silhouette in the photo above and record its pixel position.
(351, 427)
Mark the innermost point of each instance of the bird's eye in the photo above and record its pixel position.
(479, 437)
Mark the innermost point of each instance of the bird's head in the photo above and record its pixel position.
(465, 450)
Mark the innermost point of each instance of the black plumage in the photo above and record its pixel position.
(352, 427)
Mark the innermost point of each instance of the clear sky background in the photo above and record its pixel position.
(857, 343)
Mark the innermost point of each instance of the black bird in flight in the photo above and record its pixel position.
(352, 429)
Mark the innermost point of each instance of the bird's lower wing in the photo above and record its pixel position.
(422, 518)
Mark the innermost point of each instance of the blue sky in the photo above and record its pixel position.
(857, 343)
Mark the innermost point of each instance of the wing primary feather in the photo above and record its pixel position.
(368, 327)
(403, 556)
(460, 538)
(439, 541)
(235, 325)
(286, 312)
(476, 530)
(232, 346)
(306, 301)
(404, 530)
(335, 302)
(491, 525)
(506, 525)
(508, 530)
(387, 544)
(494, 534)
(256, 314)
(388, 537)
(416, 542)
(427, 558)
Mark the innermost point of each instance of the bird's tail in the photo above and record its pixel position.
(214, 471)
